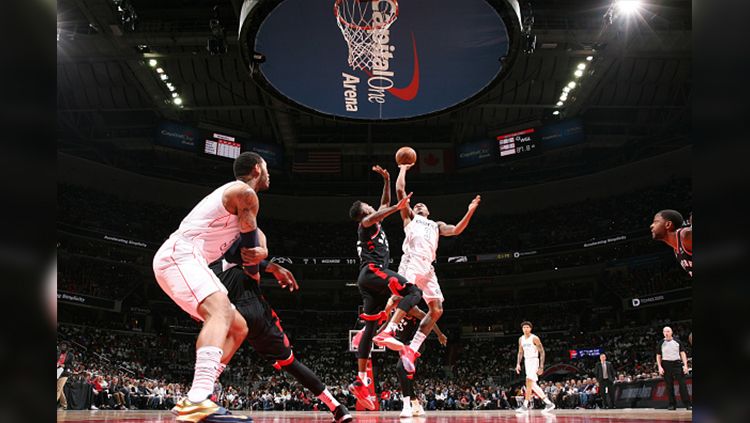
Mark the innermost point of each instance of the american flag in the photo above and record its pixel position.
(317, 161)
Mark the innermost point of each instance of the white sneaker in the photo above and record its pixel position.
(93, 407)
(548, 407)
(522, 409)
(417, 409)
(406, 412)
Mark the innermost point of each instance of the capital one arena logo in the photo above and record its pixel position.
(371, 51)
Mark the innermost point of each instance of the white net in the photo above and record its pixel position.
(364, 25)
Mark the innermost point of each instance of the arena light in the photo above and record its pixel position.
(556, 112)
(559, 103)
(563, 97)
(177, 101)
(159, 70)
(164, 77)
(566, 90)
(170, 86)
(628, 7)
(175, 95)
(571, 84)
(589, 58)
(581, 66)
(153, 63)
(578, 73)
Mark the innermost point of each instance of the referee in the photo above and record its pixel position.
(670, 353)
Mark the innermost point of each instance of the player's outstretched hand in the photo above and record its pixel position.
(253, 256)
(406, 166)
(382, 172)
(285, 277)
(475, 202)
(518, 369)
(404, 203)
(443, 339)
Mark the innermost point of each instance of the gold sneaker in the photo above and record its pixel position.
(194, 412)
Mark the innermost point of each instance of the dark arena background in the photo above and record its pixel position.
(571, 119)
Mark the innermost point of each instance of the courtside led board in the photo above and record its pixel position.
(381, 59)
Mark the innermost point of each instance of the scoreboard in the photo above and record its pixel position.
(517, 143)
(222, 145)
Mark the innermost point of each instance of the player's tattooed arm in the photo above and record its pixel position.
(520, 357)
(540, 348)
(385, 199)
(246, 205)
(407, 214)
(385, 212)
(458, 228)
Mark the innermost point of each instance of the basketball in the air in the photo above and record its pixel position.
(406, 155)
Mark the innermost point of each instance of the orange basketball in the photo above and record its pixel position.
(406, 155)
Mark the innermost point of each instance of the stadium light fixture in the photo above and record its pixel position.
(578, 73)
(171, 87)
(563, 97)
(572, 84)
(581, 66)
(559, 103)
(566, 90)
(175, 95)
(159, 70)
(628, 7)
(153, 63)
(177, 101)
(556, 112)
(164, 77)
(589, 58)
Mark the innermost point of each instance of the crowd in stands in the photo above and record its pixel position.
(127, 370)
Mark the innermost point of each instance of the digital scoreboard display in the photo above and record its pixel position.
(517, 143)
(222, 145)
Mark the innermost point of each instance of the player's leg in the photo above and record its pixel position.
(188, 281)
(410, 295)
(406, 381)
(548, 405)
(269, 340)
(374, 298)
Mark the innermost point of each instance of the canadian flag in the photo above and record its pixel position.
(431, 161)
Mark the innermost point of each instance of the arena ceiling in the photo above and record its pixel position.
(109, 99)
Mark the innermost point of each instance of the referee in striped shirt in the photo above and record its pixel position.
(672, 361)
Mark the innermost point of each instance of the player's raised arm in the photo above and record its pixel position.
(384, 212)
(385, 199)
(540, 348)
(407, 214)
(453, 230)
(520, 357)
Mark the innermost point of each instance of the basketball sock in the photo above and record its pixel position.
(363, 377)
(391, 327)
(406, 401)
(328, 399)
(526, 403)
(207, 361)
(416, 342)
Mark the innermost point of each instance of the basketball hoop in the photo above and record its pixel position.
(363, 23)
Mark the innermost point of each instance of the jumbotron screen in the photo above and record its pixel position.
(515, 143)
(222, 145)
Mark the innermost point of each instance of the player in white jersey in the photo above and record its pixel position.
(530, 349)
(420, 250)
(181, 269)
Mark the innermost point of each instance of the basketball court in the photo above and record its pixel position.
(560, 416)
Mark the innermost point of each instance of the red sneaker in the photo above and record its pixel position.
(386, 339)
(360, 391)
(408, 357)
